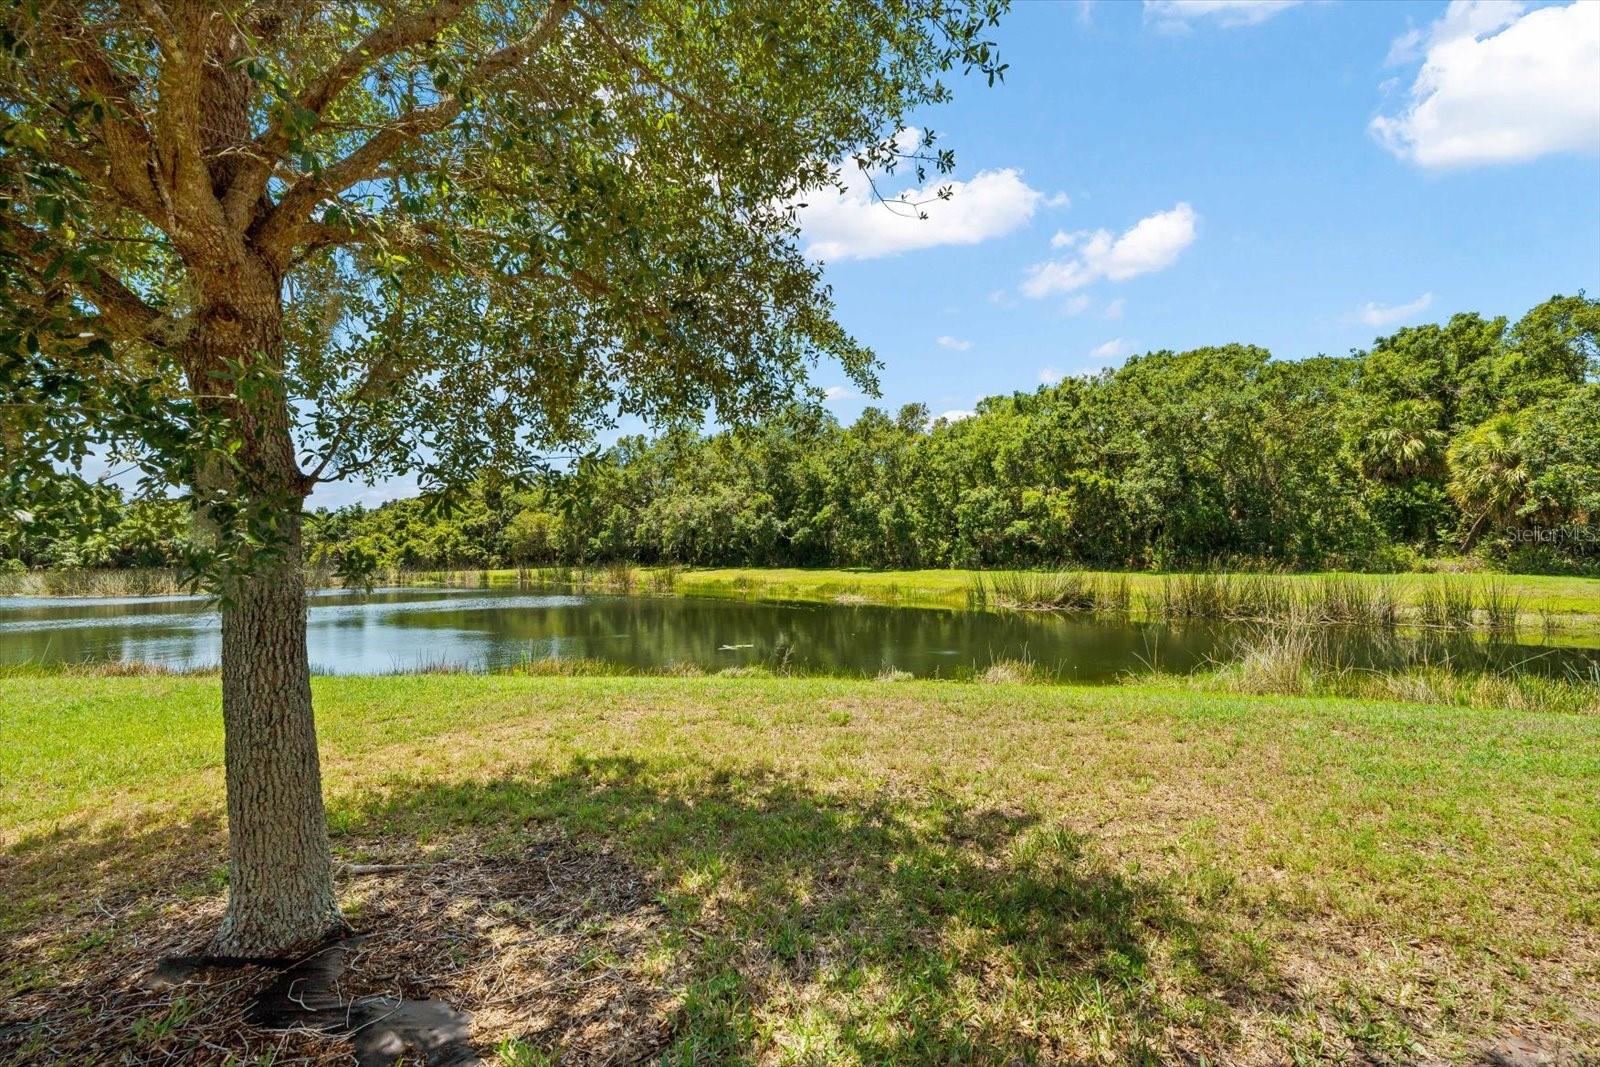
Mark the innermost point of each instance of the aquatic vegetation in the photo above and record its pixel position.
(1446, 605)
(1065, 591)
(1501, 608)
(1301, 661)
(84, 582)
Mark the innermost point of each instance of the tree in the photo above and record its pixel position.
(1560, 442)
(1553, 348)
(248, 247)
(1488, 475)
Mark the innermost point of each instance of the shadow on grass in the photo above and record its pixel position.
(722, 912)
(892, 928)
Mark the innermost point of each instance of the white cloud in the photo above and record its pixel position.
(1050, 376)
(1063, 239)
(1499, 86)
(1115, 309)
(837, 392)
(856, 225)
(1115, 348)
(1151, 244)
(1403, 49)
(955, 344)
(954, 415)
(1179, 15)
(1077, 304)
(1387, 314)
(1463, 18)
(1056, 276)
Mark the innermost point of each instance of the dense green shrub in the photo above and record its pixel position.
(1473, 436)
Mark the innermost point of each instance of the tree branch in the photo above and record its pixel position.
(269, 148)
(128, 142)
(645, 71)
(281, 230)
(428, 242)
(126, 315)
(378, 375)
(181, 151)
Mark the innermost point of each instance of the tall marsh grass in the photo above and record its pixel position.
(619, 578)
(1501, 608)
(139, 581)
(1238, 596)
(1235, 597)
(1068, 591)
(1446, 606)
(1298, 661)
(1457, 606)
(1346, 601)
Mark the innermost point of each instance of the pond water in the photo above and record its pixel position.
(391, 630)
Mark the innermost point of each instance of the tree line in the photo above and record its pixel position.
(1475, 435)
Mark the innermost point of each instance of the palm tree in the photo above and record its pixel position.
(1487, 474)
(1405, 441)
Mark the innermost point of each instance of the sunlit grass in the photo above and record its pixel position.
(921, 872)
(1495, 601)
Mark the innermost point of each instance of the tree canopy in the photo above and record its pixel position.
(1175, 459)
(250, 246)
(494, 225)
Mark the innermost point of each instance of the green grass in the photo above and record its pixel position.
(913, 872)
(1573, 602)
(948, 588)
(932, 588)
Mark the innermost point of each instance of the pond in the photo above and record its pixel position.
(392, 630)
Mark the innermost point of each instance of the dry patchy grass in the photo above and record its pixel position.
(823, 871)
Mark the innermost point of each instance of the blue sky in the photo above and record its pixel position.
(1304, 176)
(1309, 228)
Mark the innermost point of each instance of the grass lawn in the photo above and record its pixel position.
(813, 871)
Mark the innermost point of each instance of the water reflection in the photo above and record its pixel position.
(406, 629)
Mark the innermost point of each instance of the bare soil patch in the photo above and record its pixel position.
(539, 941)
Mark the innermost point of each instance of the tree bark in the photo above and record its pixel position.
(280, 869)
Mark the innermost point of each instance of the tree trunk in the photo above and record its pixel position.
(280, 870)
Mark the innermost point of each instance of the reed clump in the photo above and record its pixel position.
(1065, 591)
(1014, 672)
(88, 582)
(1501, 608)
(454, 578)
(619, 578)
(1346, 601)
(1331, 600)
(1278, 660)
(1446, 606)
(662, 581)
(1296, 661)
